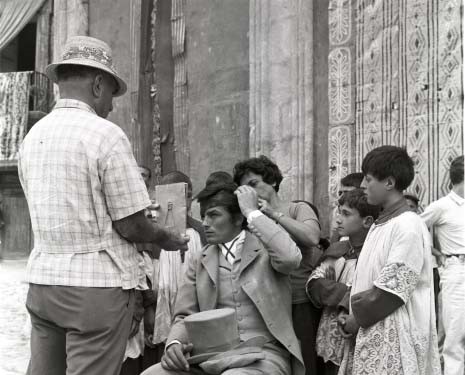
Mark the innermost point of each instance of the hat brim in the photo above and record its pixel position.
(51, 69)
(254, 342)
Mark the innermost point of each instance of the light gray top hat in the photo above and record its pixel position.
(215, 332)
(87, 51)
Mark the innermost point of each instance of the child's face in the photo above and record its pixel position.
(349, 221)
(375, 189)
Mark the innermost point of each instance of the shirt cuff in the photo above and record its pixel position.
(253, 215)
(172, 343)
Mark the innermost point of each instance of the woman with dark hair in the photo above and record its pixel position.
(245, 271)
(301, 222)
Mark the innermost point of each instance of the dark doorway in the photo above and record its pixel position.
(20, 54)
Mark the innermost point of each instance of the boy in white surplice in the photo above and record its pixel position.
(392, 299)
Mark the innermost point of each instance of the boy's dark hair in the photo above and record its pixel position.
(261, 166)
(386, 161)
(220, 194)
(175, 177)
(412, 197)
(456, 170)
(357, 200)
(352, 179)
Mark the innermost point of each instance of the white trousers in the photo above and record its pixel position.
(453, 315)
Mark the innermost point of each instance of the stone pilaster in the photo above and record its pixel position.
(281, 100)
(71, 17)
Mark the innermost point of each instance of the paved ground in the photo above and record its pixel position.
(14, 322)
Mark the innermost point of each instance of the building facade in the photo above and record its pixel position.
(314, 85)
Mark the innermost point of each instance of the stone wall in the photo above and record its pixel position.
(217, 63)
(395, 77)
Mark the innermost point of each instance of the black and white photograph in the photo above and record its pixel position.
(232, 187)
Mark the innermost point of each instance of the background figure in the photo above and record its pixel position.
(302, 224)
(146, 174)
(348, 183)
(329, 284)
(138, 356)
(446, 218)
(171, 267)
(413, 202)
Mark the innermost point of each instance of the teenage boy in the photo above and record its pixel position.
(392, 300)
(330, 282)
(445, 216)
(348, 183)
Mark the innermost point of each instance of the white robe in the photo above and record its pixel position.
(396, 257)
(170, 277)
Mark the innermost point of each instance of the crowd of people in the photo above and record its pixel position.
(113, 291)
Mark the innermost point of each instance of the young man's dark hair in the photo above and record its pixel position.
(386, 161)
(219, 176)
(261, 166)
(352, 179)
(219, 194)
(357, 199)
(456, 170)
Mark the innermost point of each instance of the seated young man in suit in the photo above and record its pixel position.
(244, 270)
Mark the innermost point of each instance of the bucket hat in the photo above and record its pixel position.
(87, 51)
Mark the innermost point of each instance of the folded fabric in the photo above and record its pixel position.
(234, 358)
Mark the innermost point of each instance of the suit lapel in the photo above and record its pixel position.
(210, 262)
(250, 250)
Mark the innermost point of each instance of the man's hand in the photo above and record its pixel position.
(247, 198)
(174, 358)
(173, 240)
(351, 325)
(330, 273)
(341, 322)
(266, 208)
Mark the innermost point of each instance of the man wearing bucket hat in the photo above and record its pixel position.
(246, 271)
(86, 200)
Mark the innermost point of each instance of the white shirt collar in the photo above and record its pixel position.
(456, 198)
(229, 249)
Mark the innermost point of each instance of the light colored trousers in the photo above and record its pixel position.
(453, 315)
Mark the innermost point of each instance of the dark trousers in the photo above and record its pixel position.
(78, 331)
(306, 318)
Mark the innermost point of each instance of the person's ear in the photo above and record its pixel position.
(97, 86)
(390, 183)
(368, 221)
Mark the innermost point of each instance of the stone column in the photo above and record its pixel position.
(43, 37)
(281, 83)
(71, 17)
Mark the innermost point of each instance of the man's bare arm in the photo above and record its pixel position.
(138, 228)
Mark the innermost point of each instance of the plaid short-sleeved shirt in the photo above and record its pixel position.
(79, 174)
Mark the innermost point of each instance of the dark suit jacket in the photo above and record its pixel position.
(264, 269)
